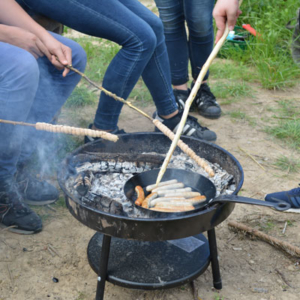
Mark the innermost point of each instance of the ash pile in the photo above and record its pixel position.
(97, 180)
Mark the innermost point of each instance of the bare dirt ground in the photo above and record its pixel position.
(251, 269)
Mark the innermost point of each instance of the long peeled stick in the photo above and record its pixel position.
(189, 102)
(165, 130)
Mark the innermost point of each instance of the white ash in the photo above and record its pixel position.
(111, 176)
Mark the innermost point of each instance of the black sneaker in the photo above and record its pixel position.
(35, 191)
(14, 214)
(181, 96)
(206, 102)
(191, 128)
(89, 139)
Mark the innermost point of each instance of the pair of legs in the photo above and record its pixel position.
(194, 47)
(30, 91)
(143, 53)
(182, 48)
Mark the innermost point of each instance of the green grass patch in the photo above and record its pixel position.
(80, 97)
(231, 70)
(231, 91)
(100, 53)
(290, 165)
(270, 54)
(287, 130)
(237, 115)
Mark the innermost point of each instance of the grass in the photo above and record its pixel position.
(81, 96)
(231, 91)
(269, 54)
(292, 165)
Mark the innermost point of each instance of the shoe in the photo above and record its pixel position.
(15, 214)
(181, 96)
(292, 197)
(89, 139)
(206, 102)
(35, 191)
(191, 128)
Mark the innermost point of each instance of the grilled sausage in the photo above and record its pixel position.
(140, 195)
(152, 186)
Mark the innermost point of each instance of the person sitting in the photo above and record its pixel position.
(33, 87)
(143, 52)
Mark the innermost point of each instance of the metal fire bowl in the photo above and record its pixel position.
(153, 229)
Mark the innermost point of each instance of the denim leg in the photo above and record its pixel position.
(53, 91)
(123, 23)
(198, 15)
(19, 77)
(157, 74)
(171, 13)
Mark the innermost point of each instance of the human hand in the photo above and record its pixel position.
(225, 10)
(23, 39)
(59, 54)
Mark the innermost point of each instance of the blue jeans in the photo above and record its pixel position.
(197, 46)
(30, 91)
(143, 53)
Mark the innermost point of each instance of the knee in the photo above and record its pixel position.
(200, 27)
(24, 71)
(158, 28)
(142, 43)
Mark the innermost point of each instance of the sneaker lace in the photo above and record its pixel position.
(209, 96)
(295, 191)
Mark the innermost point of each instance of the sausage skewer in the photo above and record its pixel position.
(66, 129)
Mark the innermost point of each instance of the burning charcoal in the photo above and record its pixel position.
(83, 182)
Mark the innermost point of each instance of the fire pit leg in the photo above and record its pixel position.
(103, 267)
(214, 259)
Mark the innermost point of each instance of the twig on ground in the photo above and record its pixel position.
(10, 276)
(252, 158)
(53, 249)
(284, 229)
(283, 278)
(286, 247)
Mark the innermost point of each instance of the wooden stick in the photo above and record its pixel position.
(66, 129)
(185, 148)
(165, 130)
(189, 103)
(288, 248)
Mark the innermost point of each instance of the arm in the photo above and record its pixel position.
(225, 11)
(19, 29)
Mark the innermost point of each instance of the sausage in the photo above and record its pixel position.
(169, 187)
(173, 209)
(173, 203)
(164, 192)
(183, 194)
(153, 186)
(164, 199)
(147, 200)
(140, 195)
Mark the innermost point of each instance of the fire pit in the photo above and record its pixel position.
(131, 263)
